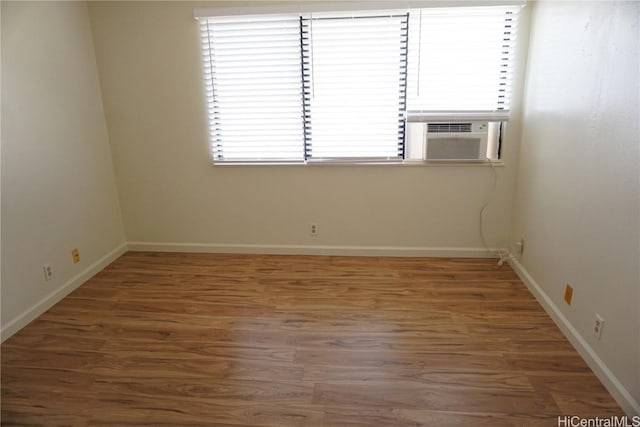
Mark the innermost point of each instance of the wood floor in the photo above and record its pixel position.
(229, 340)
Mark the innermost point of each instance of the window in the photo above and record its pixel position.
(254, 88)
(461, 59)
(346, 86)
(358, 80)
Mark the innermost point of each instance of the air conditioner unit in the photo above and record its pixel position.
(456, 140)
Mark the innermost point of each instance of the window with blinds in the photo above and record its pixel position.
(337, 86)
(461, 58)
(358, 86)
(254, 89)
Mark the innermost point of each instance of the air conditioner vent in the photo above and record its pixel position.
(449, 127)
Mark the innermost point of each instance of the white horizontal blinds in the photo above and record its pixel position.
(461, 58)
(358, 76)
(254, 89)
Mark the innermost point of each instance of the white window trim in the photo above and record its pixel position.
(334, 6)
(417, 116)
(374, 163)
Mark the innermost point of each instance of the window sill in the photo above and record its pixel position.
(406, 163)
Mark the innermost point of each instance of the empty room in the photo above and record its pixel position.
(320, 213)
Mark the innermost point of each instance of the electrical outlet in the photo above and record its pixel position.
(520, 247)
(313, 229)
(75, 255)
(48, 272)
(598, 324)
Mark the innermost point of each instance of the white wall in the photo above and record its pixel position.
(148, 56)
(58, 186)
(577, 197)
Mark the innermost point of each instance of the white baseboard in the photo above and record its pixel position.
(608, 379)
(399, 251)
(47, 302)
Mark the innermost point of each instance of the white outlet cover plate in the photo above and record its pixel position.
(598, 324)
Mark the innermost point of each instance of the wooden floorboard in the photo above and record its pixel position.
(255, 340)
